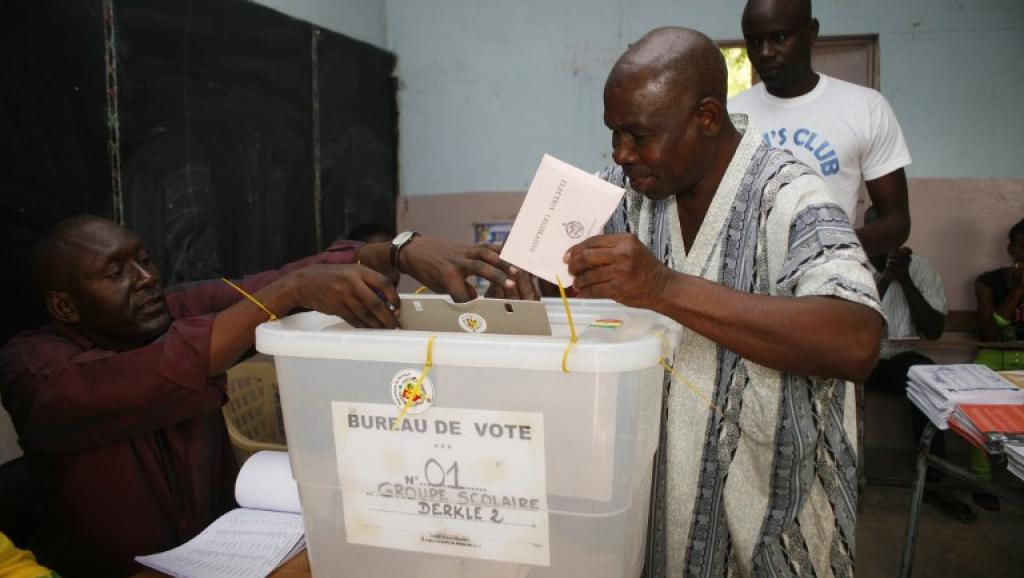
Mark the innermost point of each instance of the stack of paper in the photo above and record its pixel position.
(1015, 377)
(247, 542)
(989, 426)
(1015, 459)
(937, 389)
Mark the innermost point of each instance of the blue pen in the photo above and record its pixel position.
(380, 294)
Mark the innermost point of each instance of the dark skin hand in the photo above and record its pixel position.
(364, 294)
(443, 266)
(806, 335)
(525, 284)
(343, 290)
(928, 321)
(891, 227)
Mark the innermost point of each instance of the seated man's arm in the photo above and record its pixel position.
(928, 319)
(218, 296)
(356, 293)
(819, 336)
(891, 228)
(63, 398)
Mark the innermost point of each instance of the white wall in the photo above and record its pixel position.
(360, 19)
(487, 86)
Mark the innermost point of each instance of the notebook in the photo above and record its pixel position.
(249, 541)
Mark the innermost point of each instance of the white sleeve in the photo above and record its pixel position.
(886, 149)
(928, 282)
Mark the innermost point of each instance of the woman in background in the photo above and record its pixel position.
(1000, 295)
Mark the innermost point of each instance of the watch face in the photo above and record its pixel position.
(402, 238)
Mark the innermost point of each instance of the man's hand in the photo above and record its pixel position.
(618, 267)
(358, 294)
(525, 283)
(897, 265)
(443, 267)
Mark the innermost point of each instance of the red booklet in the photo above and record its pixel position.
(989, 426)
(1006, 419)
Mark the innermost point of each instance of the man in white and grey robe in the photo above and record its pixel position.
(743, 246)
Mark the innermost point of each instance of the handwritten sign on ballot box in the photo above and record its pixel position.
(459, 482)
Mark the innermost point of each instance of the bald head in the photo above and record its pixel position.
(664, 102)
(679, 60)
(797, 9)
(54, 256)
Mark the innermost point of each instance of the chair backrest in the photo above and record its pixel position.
(253, 410)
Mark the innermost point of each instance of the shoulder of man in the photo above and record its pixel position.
(745, 99)
(846, 89)
(32, 352)
(856, 99)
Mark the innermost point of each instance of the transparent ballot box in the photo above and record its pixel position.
(494, 463)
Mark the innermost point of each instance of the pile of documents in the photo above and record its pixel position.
(989, 426)
(1015, 459)
(250, 541)
(937, 389)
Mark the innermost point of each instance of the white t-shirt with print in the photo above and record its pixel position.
(846, 132)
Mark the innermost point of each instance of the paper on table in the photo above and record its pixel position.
(265, 483)
(242, 543)
(564, 206)
(247, 542)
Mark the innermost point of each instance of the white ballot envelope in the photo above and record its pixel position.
(564, 206)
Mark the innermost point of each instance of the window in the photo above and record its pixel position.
(741, 74)
(850, 58)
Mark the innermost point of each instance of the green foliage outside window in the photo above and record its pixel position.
(739, 69)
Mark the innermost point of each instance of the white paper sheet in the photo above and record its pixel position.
(265, 483)
(240, 544)
(468, 483)
(248, 542)
(564, 206)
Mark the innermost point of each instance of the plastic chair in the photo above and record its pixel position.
(253, 410)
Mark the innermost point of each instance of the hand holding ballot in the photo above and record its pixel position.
(617, 267)
(564, 206)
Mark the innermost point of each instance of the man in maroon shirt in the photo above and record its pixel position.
(117, 401)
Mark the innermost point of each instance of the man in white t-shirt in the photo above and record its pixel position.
(848, 133)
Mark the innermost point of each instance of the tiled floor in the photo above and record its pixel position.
(992, 547)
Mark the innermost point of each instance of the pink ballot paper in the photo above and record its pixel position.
(563, 207)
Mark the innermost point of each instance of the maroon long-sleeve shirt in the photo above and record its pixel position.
(129, 448)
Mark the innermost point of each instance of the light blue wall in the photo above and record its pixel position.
(488, 86)
(359, 19)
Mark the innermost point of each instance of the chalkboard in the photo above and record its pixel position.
(243, 138)
(358, 143)
(53, 150)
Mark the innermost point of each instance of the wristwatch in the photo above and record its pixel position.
(399, 243)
